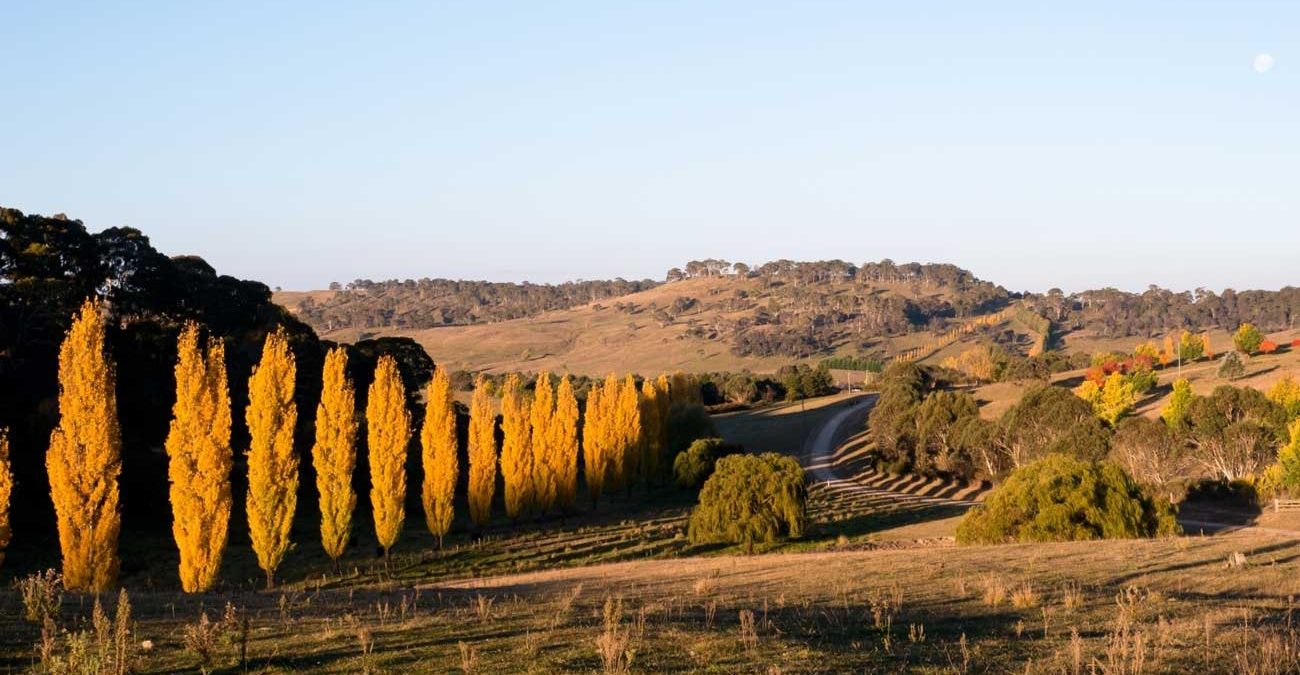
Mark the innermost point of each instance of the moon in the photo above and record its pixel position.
(1263, 63)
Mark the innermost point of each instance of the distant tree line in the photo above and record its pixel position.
(427, 303)
(1114, 313)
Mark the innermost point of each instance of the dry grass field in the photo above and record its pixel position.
(1192, 604)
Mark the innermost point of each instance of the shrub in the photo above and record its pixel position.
(1060, 498)
(1231, 367)
(693, 467)
(749, 499)
(687, 422)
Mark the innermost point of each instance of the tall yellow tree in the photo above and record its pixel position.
(85, 456)
(439, 454)
(482, 453)
(545, 462)
(199, 459)
(516, 449)
(6, 493)
(629, 431)
(388, 433)
(651, 434)
(665, 401)
(563, 444)
(594, 442)
(272, 463)
(334, 454)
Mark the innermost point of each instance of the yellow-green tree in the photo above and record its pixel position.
(85, 456)
(6, 493)
(199, 459)
(1286, 393)
(665, 400)
(595, 435)
(628, 419)
(482, 453)
(563, 445)
(1176, 409)
(545, 462)
(651, 433)
(388, 433)
(272, 463)
(334, 455)
(439, 454)
(516, 448)
(1118, 397)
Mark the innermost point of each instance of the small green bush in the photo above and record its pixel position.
(693, 467)
(751, 499)
(1060, 498)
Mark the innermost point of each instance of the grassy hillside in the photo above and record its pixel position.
(691, 325)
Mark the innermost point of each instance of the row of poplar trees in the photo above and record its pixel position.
(624, 432)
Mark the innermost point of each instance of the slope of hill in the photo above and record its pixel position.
(709, 320)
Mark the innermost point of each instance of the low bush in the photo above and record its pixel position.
(693, 467)
(751, 499)
(1059, 498)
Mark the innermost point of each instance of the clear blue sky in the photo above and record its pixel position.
(1037, 144)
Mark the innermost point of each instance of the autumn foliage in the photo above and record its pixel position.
(516, 449)
(563, 441)
(544, 459)
(6, 492)
(388, 431)
(439, 454)
(334, 455)
(272, 463)
(482, 453)
(84, 458)
(199, 459)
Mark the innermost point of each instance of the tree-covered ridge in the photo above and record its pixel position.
(1109, 312)
(428, 303)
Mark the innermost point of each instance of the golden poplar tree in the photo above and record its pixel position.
(439, 454)
(388, 432)
(482, 453)
(629, 431)
(594, 442)
(563, 445)
(272, 463)
(85, 456)
(6, 492)
(516, 448)
(199, 459)
(651, 435)
(665, 401)
(545, 461)
(334, 454)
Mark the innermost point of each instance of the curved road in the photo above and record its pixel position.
(819, 456)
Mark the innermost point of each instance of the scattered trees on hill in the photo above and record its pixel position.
(751, 499)
(272, 463)
(200, 459)
(427, 303)
(1060, 498)
(334, 454)
(84, 457)
(388, 434)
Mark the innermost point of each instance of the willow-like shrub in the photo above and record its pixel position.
(693, 467)
(1060, 498)
(751, 499)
